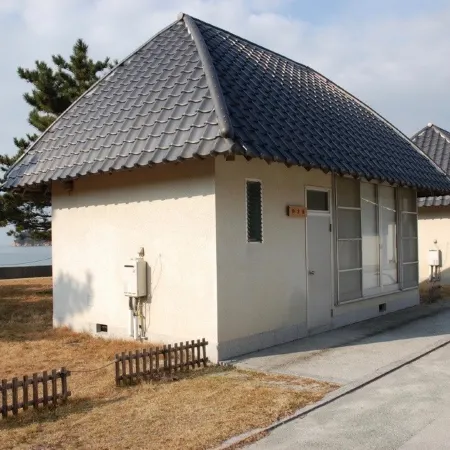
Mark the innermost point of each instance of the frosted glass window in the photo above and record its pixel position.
(409, 225)
(388, 235)
(409, 238)
(370, 241)
(348, 192)
(369, 193)
(349, 254)
(409, 200)
(409, 248)
(389, 247)
(387, 197)
(410, 275)
(350, 285)
(367, 233)
(349, 223)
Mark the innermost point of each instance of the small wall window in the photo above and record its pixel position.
(317, 200)
(254, 211)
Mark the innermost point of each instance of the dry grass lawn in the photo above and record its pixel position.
(438, 292)
(197, 412)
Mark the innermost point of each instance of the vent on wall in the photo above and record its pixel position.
(382, 307)
(254, 211)
(102, 328)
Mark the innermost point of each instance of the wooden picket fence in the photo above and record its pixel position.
(155, 363)
(16, 394)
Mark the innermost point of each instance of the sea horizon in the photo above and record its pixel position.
(14, 256)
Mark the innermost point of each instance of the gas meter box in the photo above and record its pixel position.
(135, 278)
(434, 258)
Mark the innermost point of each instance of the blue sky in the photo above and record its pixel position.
(391, 54)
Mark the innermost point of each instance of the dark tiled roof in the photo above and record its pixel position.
(195, 90)
(155, 106)
(435, 142)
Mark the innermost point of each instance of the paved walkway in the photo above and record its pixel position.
(353, 352)
(408, 409)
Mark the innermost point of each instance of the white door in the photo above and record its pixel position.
(319, 259)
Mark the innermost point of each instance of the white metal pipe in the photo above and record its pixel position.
(142, 323)
(135, 326)
(131, 324)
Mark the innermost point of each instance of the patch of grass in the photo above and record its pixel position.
(431, 292)
(199, 411)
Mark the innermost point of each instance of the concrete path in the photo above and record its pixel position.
(408, 409)
(353, 352)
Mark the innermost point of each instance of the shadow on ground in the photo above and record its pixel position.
(27, 309)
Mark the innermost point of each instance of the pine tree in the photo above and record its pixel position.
(55, 88)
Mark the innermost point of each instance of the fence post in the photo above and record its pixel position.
(182, 357)
(137, 356)
(187, 356)
(35, 391)
(4, 399)
(169, 358)
(45, 387)
(117, 370)
(124, 367)
(144, 363)
(130, 366)
(193, 354)
(204, 352)
(15, 397)
(54, 388)
(157, 360)
(25, 392)
(64, 384)
(165, 357)
(152, 352)
(175, 351)
(198, 353)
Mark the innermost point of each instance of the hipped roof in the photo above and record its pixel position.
(195, 91)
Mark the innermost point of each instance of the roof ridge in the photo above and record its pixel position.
(419, 132)
(344, 91)
(85, 93)
(212, 79)
(440, 131)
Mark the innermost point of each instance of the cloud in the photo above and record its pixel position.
(393, 60)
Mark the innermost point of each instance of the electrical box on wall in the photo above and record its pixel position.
(135, 278)
(434, 258)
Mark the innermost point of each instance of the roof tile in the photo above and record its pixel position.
(435, 142)
(193, 83)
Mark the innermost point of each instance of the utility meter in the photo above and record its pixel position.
(135, 278)
(434, 258)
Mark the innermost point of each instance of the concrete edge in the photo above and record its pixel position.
(341, 392)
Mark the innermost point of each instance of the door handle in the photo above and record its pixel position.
(311, 272)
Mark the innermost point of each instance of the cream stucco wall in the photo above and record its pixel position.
(205, 279)
(261, 287)
(434, 224)
(170, 211)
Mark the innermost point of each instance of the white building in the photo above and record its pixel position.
(434, 211)
(270, 203)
